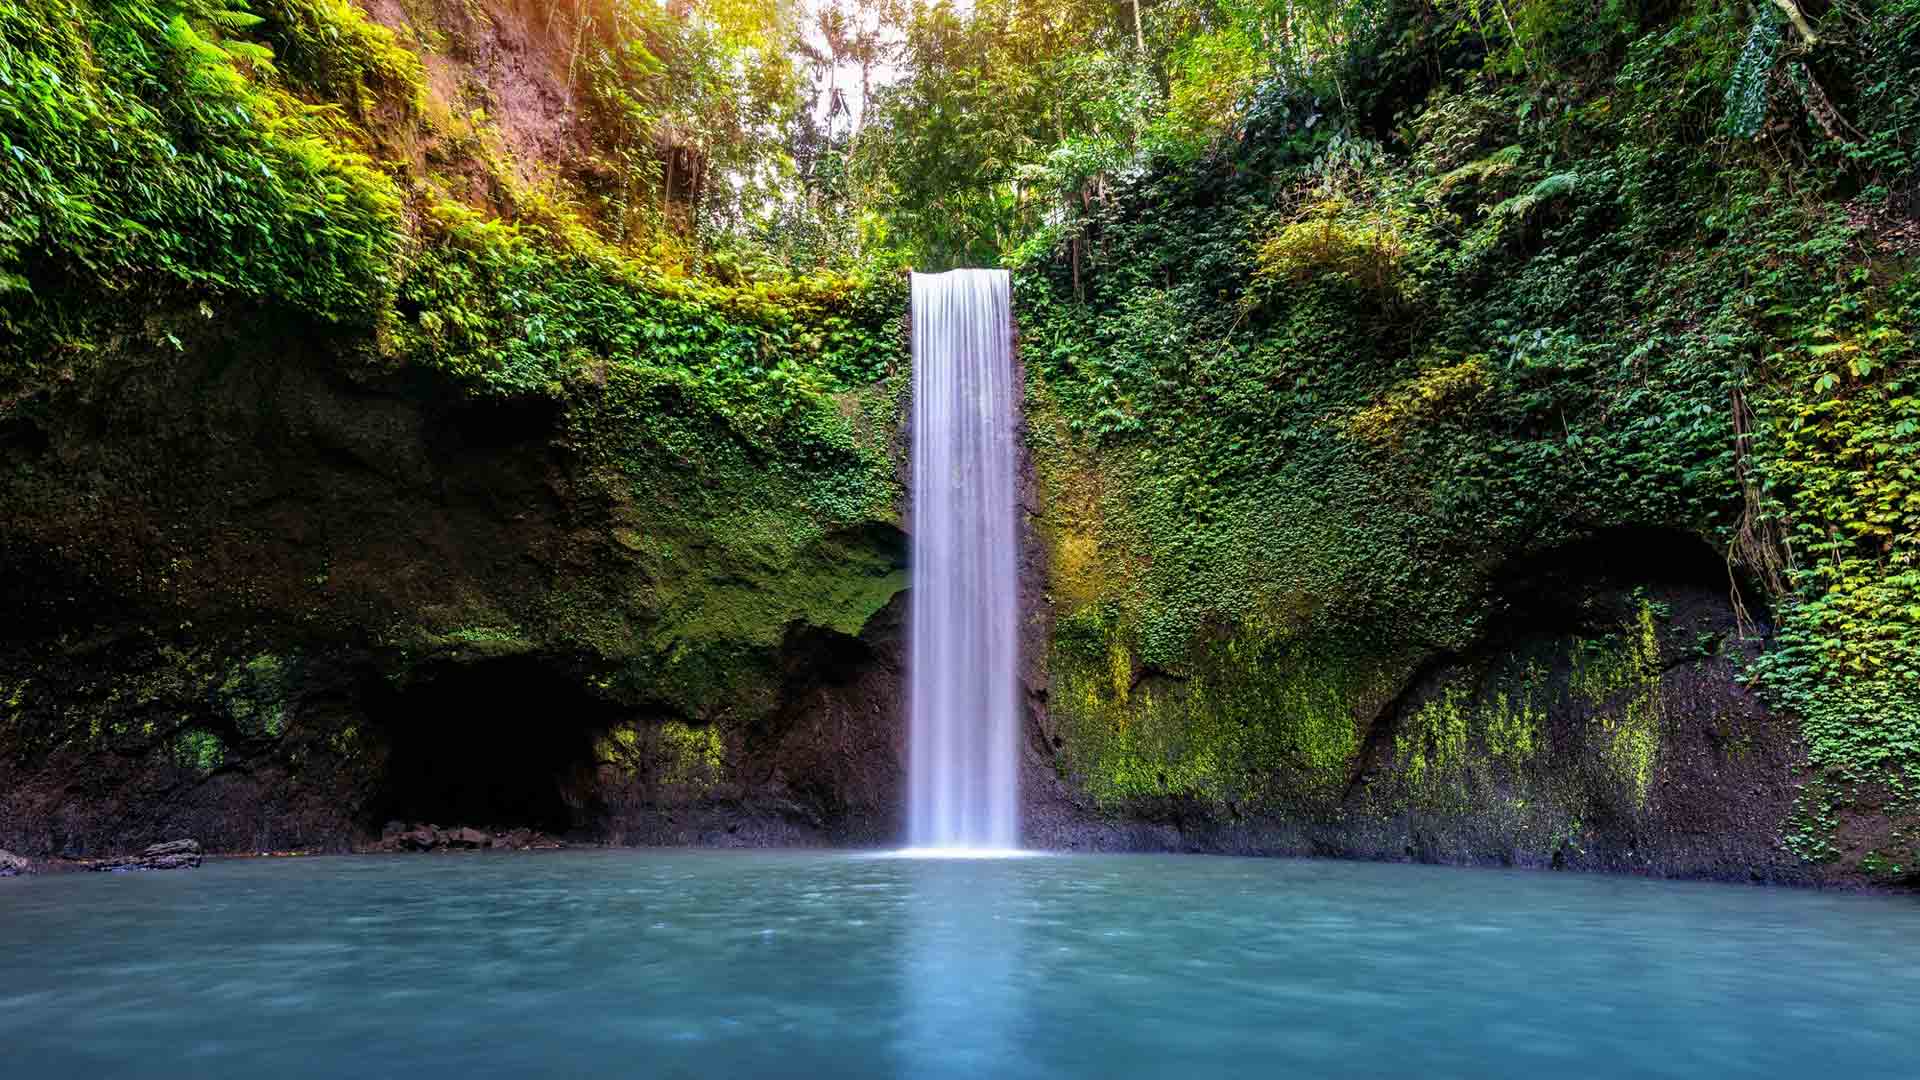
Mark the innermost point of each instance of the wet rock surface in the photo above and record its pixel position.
(12, 865)
(409, 836)
(166, 855)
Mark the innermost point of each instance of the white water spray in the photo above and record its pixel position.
(962, 787)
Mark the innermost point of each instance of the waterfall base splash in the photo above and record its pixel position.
(960, 853)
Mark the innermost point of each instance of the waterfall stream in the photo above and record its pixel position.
(962, 786)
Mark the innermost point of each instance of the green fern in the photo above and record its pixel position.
(234, 20)
(1521, 206)
(1492, 167)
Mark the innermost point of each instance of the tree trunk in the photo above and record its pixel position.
(866, 93)
(666, 197)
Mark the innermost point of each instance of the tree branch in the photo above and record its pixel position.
(1798, 20)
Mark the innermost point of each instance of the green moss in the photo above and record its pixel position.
(703, 631)
(199, 750)
(618, 749)
(1619, 680)
(1426, 399)
(478, 641)
(693, 757)
(347, 743)
(685, 759)
(1431, 746)
(735, 525)
(1474, 746)
(254, 694)
(1517, 715)
(18, 728)
(1250, 720)
(739, 441)
(1482, 743)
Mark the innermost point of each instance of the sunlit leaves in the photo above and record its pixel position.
(150, 142)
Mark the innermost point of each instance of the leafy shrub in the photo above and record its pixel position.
(146, 142)
(1433, 395)
(332, 50)
(1365, 250)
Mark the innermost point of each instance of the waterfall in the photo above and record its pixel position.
(962, 788)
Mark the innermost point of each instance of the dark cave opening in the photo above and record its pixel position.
(1551, 590)
(491, 744)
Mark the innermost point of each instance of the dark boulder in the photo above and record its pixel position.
(400, 836)
(166, 855)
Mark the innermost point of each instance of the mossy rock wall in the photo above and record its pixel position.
(1610, 734)
(247, 579)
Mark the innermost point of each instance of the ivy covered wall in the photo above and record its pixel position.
(1301, 409)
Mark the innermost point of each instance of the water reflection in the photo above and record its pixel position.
(965, 997)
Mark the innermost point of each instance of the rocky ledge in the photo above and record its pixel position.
(167, 855)
(406, 836)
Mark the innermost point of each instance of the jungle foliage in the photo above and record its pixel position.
(294, 164)
(1482, 282)
(1330, 311)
